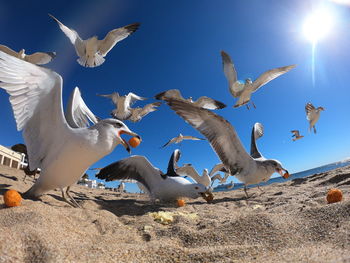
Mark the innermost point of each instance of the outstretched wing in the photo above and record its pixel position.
(114, 36)
(172, 164)
(269, 75)
(136, 168)
(310, 110)
(188, 137)
(220, 167)
(209, 103)
(131, 98)
(77, 113)
(114, 97)
(235, 86)
(257, 132)
(36, 99)
(149, 108)
(169, 142)
(188, 170)
(8, 50)
(219, 132)
(172, 93)
(295, 133)
(40, 58)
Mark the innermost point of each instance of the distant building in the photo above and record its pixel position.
(91, 184)
(11, 158)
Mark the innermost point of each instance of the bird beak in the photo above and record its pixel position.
(283, 172)
(207, 196)
(123, 141)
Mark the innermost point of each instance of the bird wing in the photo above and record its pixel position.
(189, 170)
(219, 132)
(295, 133)
(40, 58)
(235, 86)
(220, 167)
(310, 110)
(169, 142)
(149, 108)
(114, 97)
(187, 137)
(131, 98)
(77, 113)
(257, 132)
(269, 75)
(36, 99)
(172, 164)
(209, 103)
(73, 37)
(132, 168)
(172, 93)
(114, 36)
(8, 50)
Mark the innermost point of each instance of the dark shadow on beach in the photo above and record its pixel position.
(9, 177)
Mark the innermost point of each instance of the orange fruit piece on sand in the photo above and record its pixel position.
(12, 198)
(334, 195)
(180, 202)
(134, 142)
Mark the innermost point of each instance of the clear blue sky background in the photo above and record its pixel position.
(178, 47)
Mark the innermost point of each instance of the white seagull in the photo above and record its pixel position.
(214, 175)
(62, 151)
(312, 115)
(138, 113)
(92, 51)
(225, 142)
(123, 110)
(296, 135)
(157, 184)
(121, 187)
(39, 58)
(243, 91)
(202, 102)
(180, 138)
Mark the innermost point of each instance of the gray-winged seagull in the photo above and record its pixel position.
(180, 138)
(243, 91)
(92, 51)
(62, 152)
(312, 115)
(38, 58)
(138, 113)
(226, 143)
(296, 135)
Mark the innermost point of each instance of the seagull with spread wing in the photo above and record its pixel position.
(138, 113)
(202, 102)
(123, 110)
(227, 145)
(312, 115)
(296, 135)
(56, 144)
(38, 58)
(180, 138)
(243, 91)
(92, 51)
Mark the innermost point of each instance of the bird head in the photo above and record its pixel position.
(118, 128)
(320, 109)
(248, 81)
(198, 190)
(276, 166)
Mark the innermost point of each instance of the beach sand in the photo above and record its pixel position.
(289, 222)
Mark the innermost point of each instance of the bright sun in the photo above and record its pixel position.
(317, 25)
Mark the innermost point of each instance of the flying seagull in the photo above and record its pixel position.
(243, 91)
(123, 110)
(296, 135)
(312, 115)
(62, 151)
(227, 145)
(92, 51)
(138, 113)
(180, 138)
(39, 58)
(157, 184)
(214, 175)
(202, 102)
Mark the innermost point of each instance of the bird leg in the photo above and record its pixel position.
(262, 191)
(246, 192)
(247, 106)
(71, 198)
(314, 129)
(66, 200)
(253, 104)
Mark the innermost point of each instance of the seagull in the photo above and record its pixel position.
(230, 185)
(202, 102)
(138, 113)
(243, 91)
(296, 135)
(312, 115)
(123, 104)
(157, 184)
(216, 176)
(180, 138)
(38, 58)
(92, 51)
(62, 151)
(121, 187)
(227, 145)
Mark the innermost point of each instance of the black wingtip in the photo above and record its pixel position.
(132, 27)
(160, 96)
(220, 105)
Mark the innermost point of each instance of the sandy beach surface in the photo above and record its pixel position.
(289, 222)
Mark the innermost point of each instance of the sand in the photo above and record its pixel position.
(289, 222)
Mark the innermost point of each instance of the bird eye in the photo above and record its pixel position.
(118, 125)
(196, 187)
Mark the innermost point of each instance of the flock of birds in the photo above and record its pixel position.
(65, 144)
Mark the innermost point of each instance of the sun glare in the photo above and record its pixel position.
(317, 25)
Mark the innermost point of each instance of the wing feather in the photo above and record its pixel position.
(257, 132)
(40, 58)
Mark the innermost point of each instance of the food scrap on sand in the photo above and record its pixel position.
(180, 202)
(12, 198)
(334, 195)
(166, 218)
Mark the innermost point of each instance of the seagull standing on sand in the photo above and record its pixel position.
(62, 152)
(202, 102)
(38, 58)
(312, 115)
(138, 113)
(157, 184)
(225, 142)
(296, 135)
(180, 138)
(243, 91)
(92, 51)
(122, 104)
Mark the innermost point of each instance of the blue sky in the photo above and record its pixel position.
(178, 47)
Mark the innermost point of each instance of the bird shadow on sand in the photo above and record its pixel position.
(3, 188)
(9, 177)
